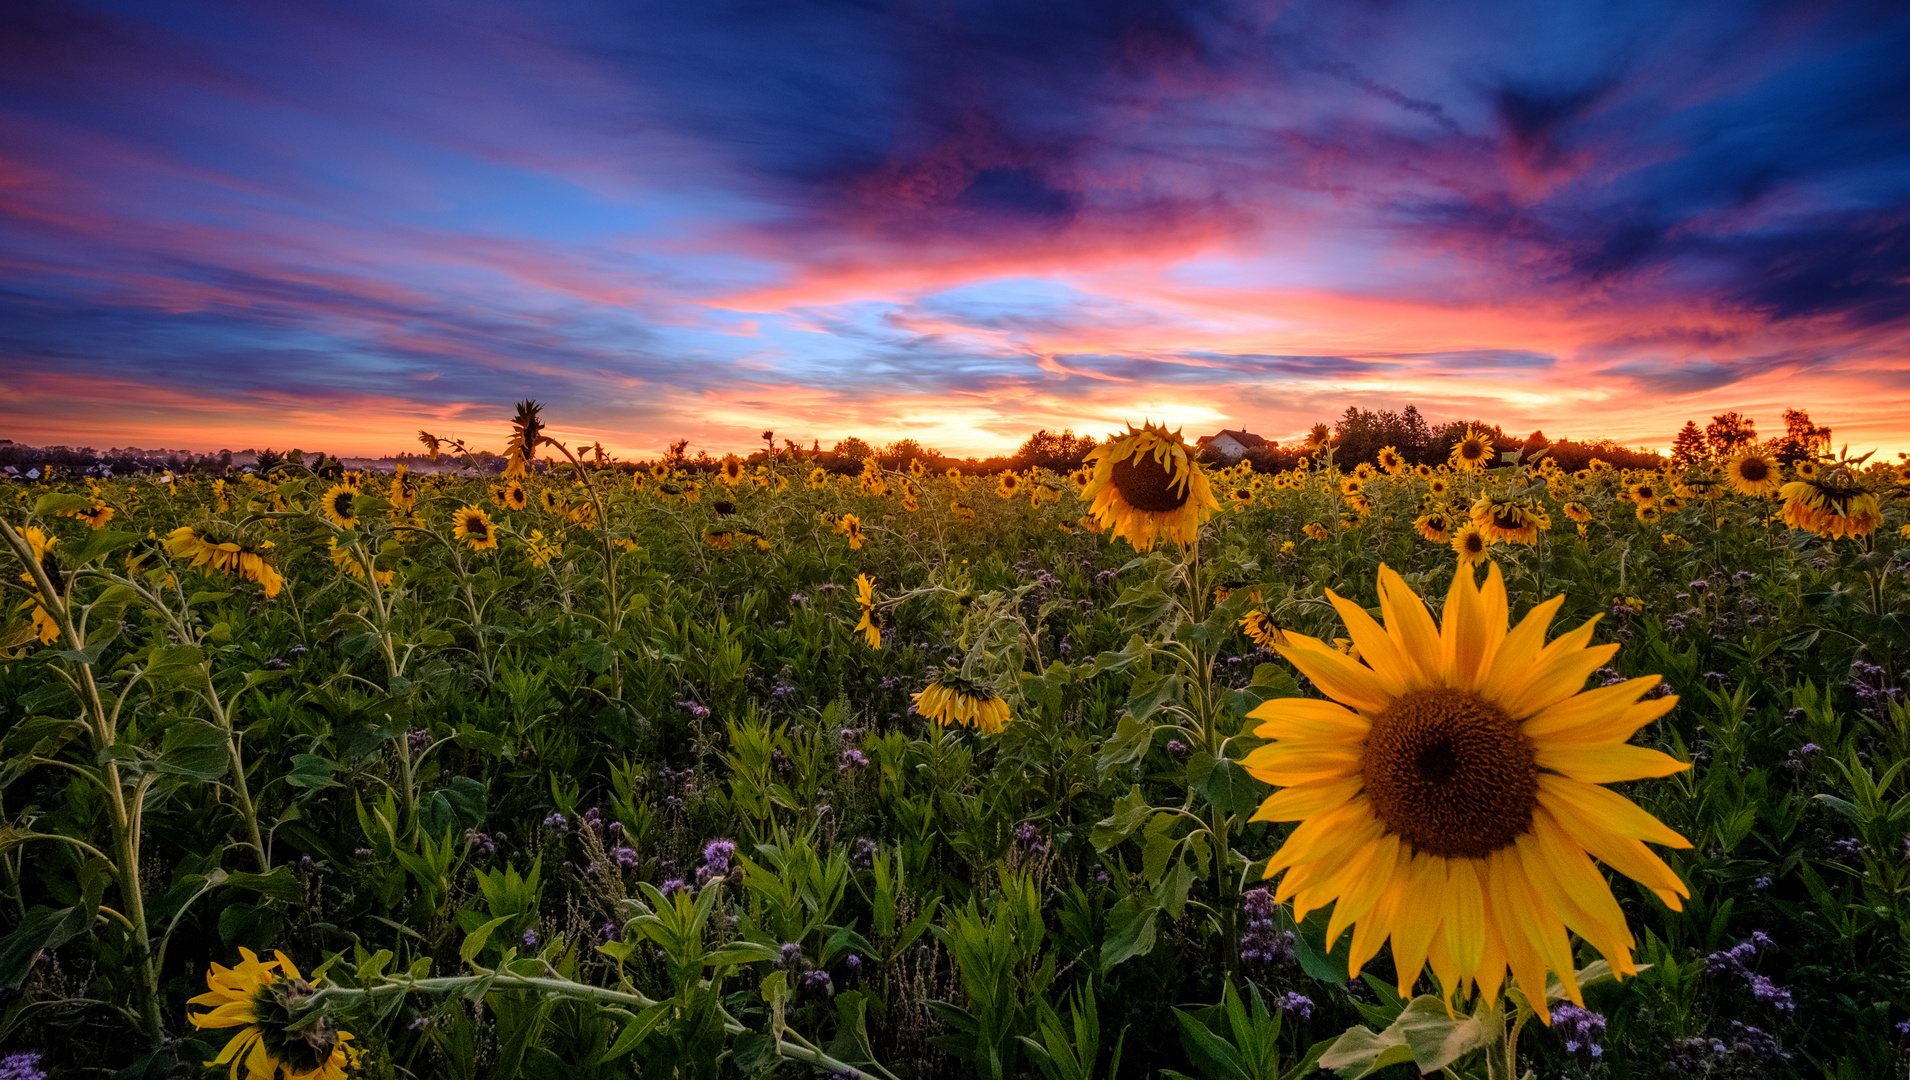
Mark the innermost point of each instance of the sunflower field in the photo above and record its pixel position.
(1150, 770)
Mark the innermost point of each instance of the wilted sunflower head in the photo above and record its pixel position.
(527, 428)
(719, 538)
(1473, 451)
(431, 444)
(1578, 512)
(951, 699)
(339, 504)
(1147, 486)
(1505, 519)
(271, 1003)
(1832, 502)
(723, 507)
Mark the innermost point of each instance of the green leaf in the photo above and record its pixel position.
(1436, 1037)
(280, 884)
(1129, 812)
(474, 941)
(1359, 1052)
(196, 749)
(1130, 929)
(43, 928)
(1157, 844)
(59, 502)
(312, 772)
(176, 663)
(1229, 789)
(99, 542)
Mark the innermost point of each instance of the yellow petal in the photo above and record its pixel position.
(1338, 676)
(1520, 650)
(1367, 889)
(1417, 917)
(1287, 718)
(1305, 800)
(1605, 763)
(1375, 646)
(1464, 920)
(1605, 808)
(1575, 718)
(1411, 626)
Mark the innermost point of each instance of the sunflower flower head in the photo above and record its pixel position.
(951, 699)
(865, 606)
(1471, 544)
(269, 1001)
(527, 430)
(850, 526)
(221, 549)
(339, 505)
(1147, 487)
(1510, 520)
(1831, 502)
(1473, 451)
(472, 525)
(1260, 629)
(1449, 796)
(731, 472)
(1435, 526)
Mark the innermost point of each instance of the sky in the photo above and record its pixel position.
(265, 223)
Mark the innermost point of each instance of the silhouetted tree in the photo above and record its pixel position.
(1802, 439)
(1061, 452)
(1730, 432)
(1689, 448)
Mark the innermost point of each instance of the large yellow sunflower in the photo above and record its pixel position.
(865, 604)
(338, 505)
(473, 526)
(232, 555)
(1449, 796)
(951, 699)
(1473, 451)
(1390, 460)
(1147, 486)
(263, 998)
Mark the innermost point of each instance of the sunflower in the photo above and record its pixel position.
(964, 511)
(550, 502)
(955, 476)
(1352, 485)
(865, 604)
(1649, 513)
(1473, 450)
(1390, 460)
(723, 507)
(1317, 437)
(1435, 526)
(1438, 487)
(513, 497)
(1644, 492)
(1753, 473)
(1259, 628)
(1449, 797)
(818, 478)
(41, 544)
(264, 997)
(1577, 511)
(1424, 472)
(751, 536)
(1009, 486)
(1510, 520)
(1675, 542)
(1315, 530)
(909, 501)
(1831, 504)
(722, 539)
(951, 699)
(347, 560)
(731, 472)
(1240, 497)
(636, 481)
(473, 526)
(692, 491)
(97, 515)
(1081, 478)
(338, 505)
(1470, 543)
(541, 550)
(1147, 486)
(234, 555)
(850, 526)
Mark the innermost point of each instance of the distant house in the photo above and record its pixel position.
(1232, 445)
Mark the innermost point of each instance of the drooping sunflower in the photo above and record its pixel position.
(1315, 531)
(41, 545)
(752, 537)
(1449, 796)
(909, 500)
(1510, 520)
(1147, 487)
(541, 550)
(473, 526)
(1831, 503)
(1435, 526)
(1473, 451)
(1260, 629)
(1577, 511)
(1470, 543)
(264, 998)
(338, 504)
(347, 560)
(1753, 473)
(951, 699)
(1391, 461)
(719, 538)
(865, 605)
(226, 553)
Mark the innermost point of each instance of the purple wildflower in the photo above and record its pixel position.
(1295, 1002)
(22, 1065)
(480, 843)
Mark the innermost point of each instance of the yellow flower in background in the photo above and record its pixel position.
(719, 538)
(541, 550)
(1317, 437)
(637, 480)
(818, 478)
(1577, 511)
(263, 999)
(347, 560)
(473, 526)
(1286, 547)
(226, 556)
(338, 504)
(514, 498)
(1259, 628)
(1315, 530)
(964, 511)
(1438, 487)
(1470, 543)
(1644, 492)
(1509, 520)
(850, 526)
(731, 471)
(97, 515)
(693, 491)
(909, 501)
(1649, 513)
(1675, 542)
(1424, 472)
(1435, 526)
(1450, 794)
(1391, 461)
(951, 699)
(1473, 451)
(865, 604)
(1009, 485)
(1147, 487)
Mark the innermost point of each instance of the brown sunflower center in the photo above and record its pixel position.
(1475, 543)
(1450, 773)
(1147, 485)
(1754, 470)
